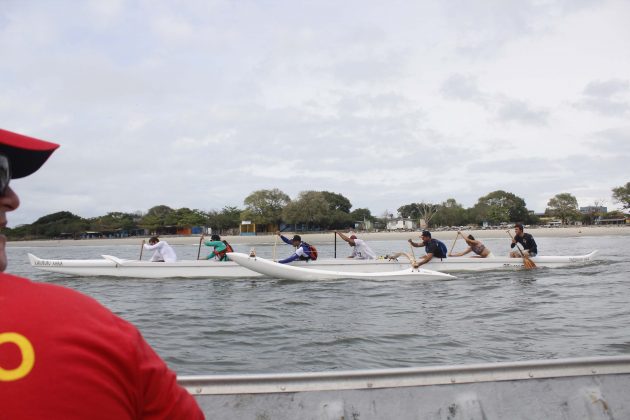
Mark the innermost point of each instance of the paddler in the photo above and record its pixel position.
(432, 248)
(221, 248)
(303, 251)
(361, 250)
(530, 249)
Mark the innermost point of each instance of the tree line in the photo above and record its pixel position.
(316, 210)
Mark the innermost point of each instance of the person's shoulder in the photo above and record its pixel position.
(50, 295)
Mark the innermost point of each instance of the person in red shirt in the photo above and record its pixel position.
(62, 354)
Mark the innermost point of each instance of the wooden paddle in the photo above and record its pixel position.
(456, 237)
(199, 249)
(527, 262)
(412, 252)
(141, 249)
(275, 242)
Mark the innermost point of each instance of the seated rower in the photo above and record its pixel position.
(221, 248)
(303, 251)
(432, 248)
(163, 251)
(475, 246)
(530, 249)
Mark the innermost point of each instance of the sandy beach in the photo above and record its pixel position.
(328, 237)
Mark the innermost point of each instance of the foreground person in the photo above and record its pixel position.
(62, 354)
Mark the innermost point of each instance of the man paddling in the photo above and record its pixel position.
(432, 248)
(303, 251)
(163, 251)
(530, 249)
(62, 354)
(361, 250)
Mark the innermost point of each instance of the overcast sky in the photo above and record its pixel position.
(199, 103)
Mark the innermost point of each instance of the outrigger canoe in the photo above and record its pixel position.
(289, 272)
(117, 267)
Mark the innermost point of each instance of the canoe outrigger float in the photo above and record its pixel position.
(288, 272)
(117, 267)
(582, 388)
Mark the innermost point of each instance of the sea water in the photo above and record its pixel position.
(265, 325)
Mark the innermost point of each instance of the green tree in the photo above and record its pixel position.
(186, 217)
(501, 206)
(337, 202)
(409, 210)
(358, 215)
(113, 221)
(265, 206)
(50, 226)
(339, 210)
(450, 213)
(563, 206)
(311, 207)
(228, 218)
(621, 195)
(157, 217)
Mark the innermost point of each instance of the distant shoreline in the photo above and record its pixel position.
(328, 237)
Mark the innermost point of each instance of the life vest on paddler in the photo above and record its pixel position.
(312, 251)
(221, 255)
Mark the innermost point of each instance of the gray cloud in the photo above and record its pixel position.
(609, 97)
(199, 104)
(519, 111)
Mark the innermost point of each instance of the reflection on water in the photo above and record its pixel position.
(268, 325)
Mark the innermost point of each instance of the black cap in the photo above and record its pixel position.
(215, 237)
(297, 238)
(426, 233)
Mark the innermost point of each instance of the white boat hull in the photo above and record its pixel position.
(289, 272)
(495, 263)
(116, 267)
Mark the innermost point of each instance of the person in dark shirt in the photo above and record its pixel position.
(432, 247)
(530, 249)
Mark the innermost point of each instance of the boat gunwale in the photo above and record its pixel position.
(403, 377)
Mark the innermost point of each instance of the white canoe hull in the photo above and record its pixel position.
(496, 263)
(115, 267)
(289, 272)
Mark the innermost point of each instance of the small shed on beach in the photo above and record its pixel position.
(402, 223)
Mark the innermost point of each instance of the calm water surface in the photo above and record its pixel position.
(215, 326)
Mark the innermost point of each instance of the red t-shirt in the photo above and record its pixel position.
(65, 356)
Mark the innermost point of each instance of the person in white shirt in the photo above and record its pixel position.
(163, 251)
(360, 250)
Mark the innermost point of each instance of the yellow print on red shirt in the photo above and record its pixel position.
(28, 357)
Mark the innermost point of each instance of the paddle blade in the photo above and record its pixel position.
(529, 264)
